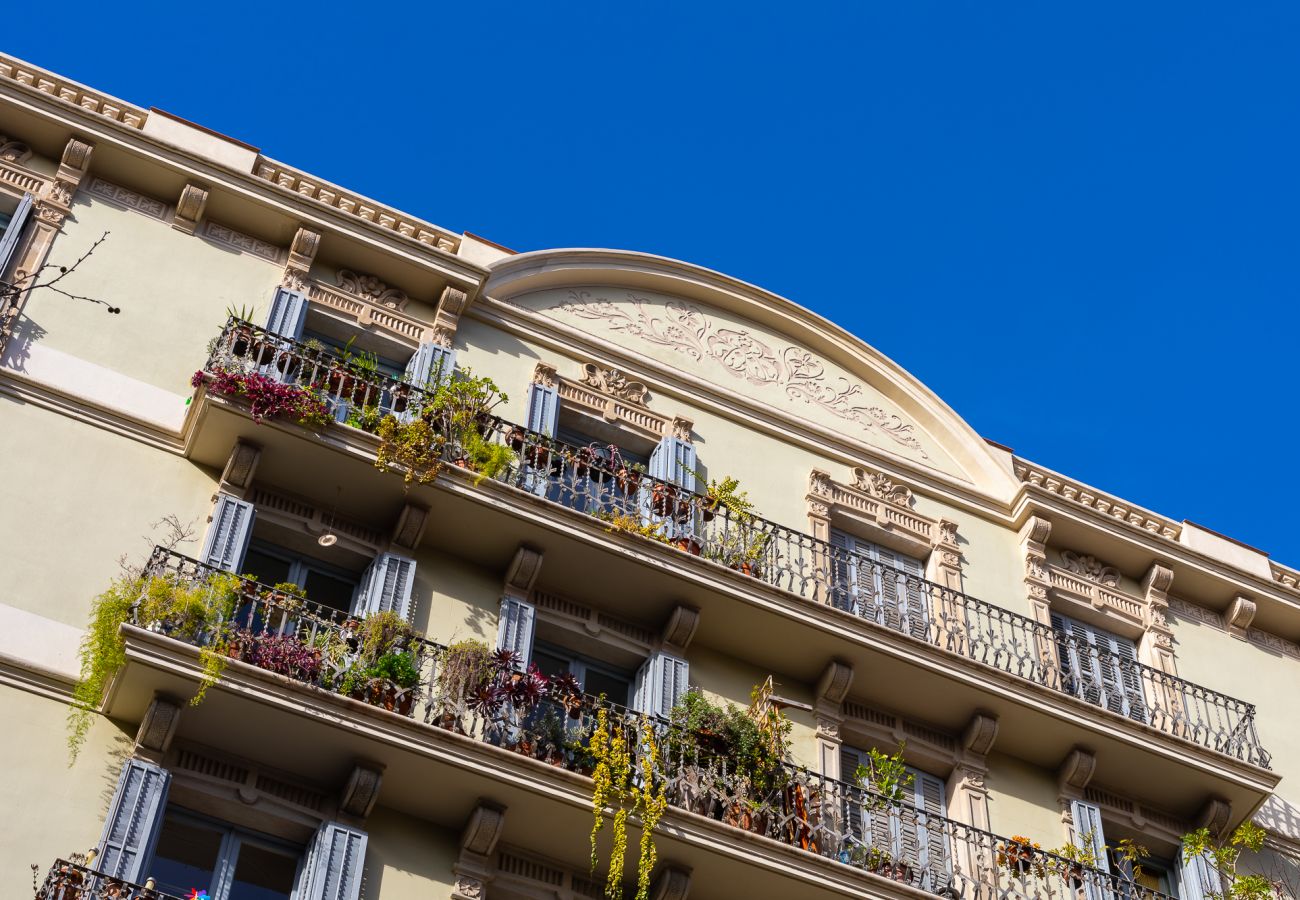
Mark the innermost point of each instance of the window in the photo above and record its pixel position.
(878, 583)
(323, 583)
(231, 864)
(595, 677)
(5, 219)
(1099, 667)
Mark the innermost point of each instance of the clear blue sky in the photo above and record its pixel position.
(1077, 223)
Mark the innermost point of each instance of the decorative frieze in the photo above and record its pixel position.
(129, 199)
(371, 289)
(244, 243)
(49, 83)
(367, 314)
(614, 383)
(1265, 639)
(1083, 579)
(15, 152)
(1093, 499)
(362, 790)
(609, 395)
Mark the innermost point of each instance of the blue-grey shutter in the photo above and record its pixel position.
(933, 856)
(1197, 877)
(134, 819)
(13, 231)
(842, 589)
(386, 585)
(515, 628)
(430, 365)
(1089, 837)
(543, 409)
(660, 683)
(674, 460)
(334, 864)
(228, 534)
(288, 313)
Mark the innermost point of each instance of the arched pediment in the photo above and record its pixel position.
(730, 338)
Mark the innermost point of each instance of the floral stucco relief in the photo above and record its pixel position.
(687, 330)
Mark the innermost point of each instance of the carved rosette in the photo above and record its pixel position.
(882, 487)
(467, 888)
(371, 289)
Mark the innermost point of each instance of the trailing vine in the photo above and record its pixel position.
(620, 772)
(652, 802)
(601, 778)
(648, 799)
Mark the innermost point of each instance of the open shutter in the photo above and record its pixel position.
(1124, 677)
(288, 313)
(933, 865)
(134, 819)
(841, 566)
(660, 683)
(14, 231)
(386, 586)
(674, 460)
(852, 807)
(1089, 837)
(543, 409)
(515, 628)
(1197, 877)
(334, 864)
(914, 601)
(430, 365)
(227, 538)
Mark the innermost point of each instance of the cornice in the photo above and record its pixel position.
(290, 192)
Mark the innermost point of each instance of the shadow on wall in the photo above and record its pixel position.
(19, 351)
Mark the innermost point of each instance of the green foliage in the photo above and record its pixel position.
(885, 774)
(1225, 857)
(367, 418)
(382, 633)
(486, 459)
(103, 653)
(466, 666)
(756, 746)
(243, 313)
(632, 525)
(398, 668)
(413, 448)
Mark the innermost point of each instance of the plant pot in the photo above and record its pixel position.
(688, 544)
(745, 568)
(627, 481)
(536, 456)
(242, 340)
(340, 383)
(709, 508)
(287, 365)
(582, 462)
(263, 351)
(515, 439)
(1074, 876)
(401, 397)
(662, 499)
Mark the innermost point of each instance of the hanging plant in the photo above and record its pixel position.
(612, 787)
(413, 448)
(267, 398)
(651, 801)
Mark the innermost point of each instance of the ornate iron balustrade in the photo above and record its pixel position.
(844, 822)
(594, 480)
(73, 881)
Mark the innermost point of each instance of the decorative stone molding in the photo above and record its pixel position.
(1148, 820)
(371, 289)
(1260, 638)
(1075, 771)
(447, 318)
(69, 92)
(362, 790)
(1088, 582)
(1215, 815)
(241, 465)
(189, 208)
(467, 888)
(522, 573)
(55, 205)
(230, 777)
(15, 152)
(477, 844)
(365, 313)
(980, 734)
(834, 683)
(585, 620)
(619, 400)
(680, 628)
(672, 883)
(410, 526)
(243, 243)
(362, 208)
(128, 199)
(302, 253)
(1090, 568)
(1055, 483)
(614, 383)
(158, 726)
(879, 508)
(22, 180)
(301, 515)
(1240, 614)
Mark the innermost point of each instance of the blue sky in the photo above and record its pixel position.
(1077, 224)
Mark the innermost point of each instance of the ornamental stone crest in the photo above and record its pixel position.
(1090, 568)
(614, 383)
(371, 288)
(881, 486)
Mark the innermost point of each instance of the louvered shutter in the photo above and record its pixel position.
(854, 823)
(334, 864)
(288, 313)
(933, 865)
(1100, 667)
(134, 819)
(1089, 837)
(660, 683)
(430, 365)
(1197, 877)
(13, 231)
(843, 590)
(674, 460)
(228, 533)
(543, 409)
(386, 586)
(515, 628)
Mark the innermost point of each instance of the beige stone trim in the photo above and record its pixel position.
(360, 794)
(158, 727)
(447, 319)
(474, 867)
(241, 466)
(608, 394)
(521, 575)
(298, 514)
(364, 311)
(302, 252)
(680, 629)
(1091, 498)
(411, 522)
(189, 208)
(71, 92)
(879, 508)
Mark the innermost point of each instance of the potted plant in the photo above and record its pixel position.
(465, 668)
(1018, 854)
(242, 337)
(627, 477)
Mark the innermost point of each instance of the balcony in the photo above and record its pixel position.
(520, 716)
(76, 881)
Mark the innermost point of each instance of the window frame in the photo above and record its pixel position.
(233, 837)
(301, 565)
(584, 663)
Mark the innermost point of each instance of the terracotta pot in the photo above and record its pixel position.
(709, 509)
(536, 456)
(401, 397)
(627, 481)
(582, 461)
(662, 497)
(688, 544)
(340, 383)
(745, 568)
(242, 339)
(515, 439)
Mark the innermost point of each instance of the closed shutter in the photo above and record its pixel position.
(288, 313)
(13, 231)
(1100, 667)
(386, 586)
(854, 820)
(843, 590)
(1089, 837)
(885, 585)
(872, 820)
(515, 629)
(334, 864)
(227, 538)
(660, 683)
(1197, 877)
(134, 819)
(430, 366)
(543, 409)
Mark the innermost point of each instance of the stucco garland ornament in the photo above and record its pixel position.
(685, 329)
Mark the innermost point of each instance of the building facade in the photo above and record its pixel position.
(278, 479)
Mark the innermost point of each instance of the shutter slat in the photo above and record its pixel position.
(288, 313)
(515, 628)
(543, 409)
(335, 863)
(1197, 877)
(228, 534)
(134, 819)
(14, 231)
(386, 585)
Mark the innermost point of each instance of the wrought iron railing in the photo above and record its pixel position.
(845, 822)
(595, 480)
(75, 881)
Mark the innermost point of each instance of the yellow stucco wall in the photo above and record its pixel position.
(455, 601)
(173, 290)
(1023, 801)
(408, 858)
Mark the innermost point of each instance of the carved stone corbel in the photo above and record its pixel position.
(834, 683)
(680, 428)
(158, 726)
(680, 628)
(1075, 771)
(1215, 815)
(1033, 541)
(410, 526)
(477, 844)
(523, 571)
(1239, 616)
(1157, 645)
(362, 790)
(302, 252)
(545, 375)
(828, 708)
(980, 733)
(241, 465)
(445, 321)
(189, 208)
(672, 883)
